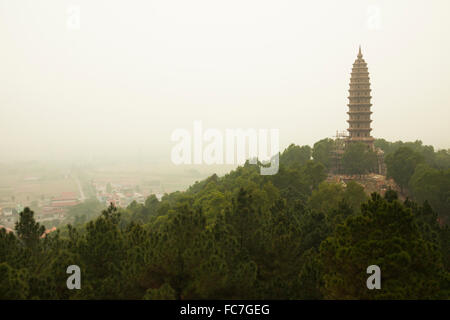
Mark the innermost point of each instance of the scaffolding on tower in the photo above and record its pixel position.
(340, 140)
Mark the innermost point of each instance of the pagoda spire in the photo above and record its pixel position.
(359, 52)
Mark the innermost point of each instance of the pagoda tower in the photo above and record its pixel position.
(359, 103)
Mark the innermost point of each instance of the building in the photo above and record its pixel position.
(57, 208)
(359, 121)
(8, 230)
(359, 106)
(8, 216)
(47, 232)
(67, 199)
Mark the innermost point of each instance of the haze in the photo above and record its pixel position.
(135, 71)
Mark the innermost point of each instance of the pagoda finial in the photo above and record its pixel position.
(359, 53)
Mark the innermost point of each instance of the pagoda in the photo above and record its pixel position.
(359, 104)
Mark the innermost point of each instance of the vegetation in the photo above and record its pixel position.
(322, 151)
(401, 165)
(359, 159)
(422, 173)
(244, 236)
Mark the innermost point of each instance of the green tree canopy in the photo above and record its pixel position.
(295, 155)
(386, 235)
(432, 185)
(322, 151)
(358, 159)
(28, 230)
(401, 165)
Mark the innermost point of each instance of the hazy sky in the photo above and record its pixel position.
(137, 70)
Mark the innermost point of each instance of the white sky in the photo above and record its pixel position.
(137, 70)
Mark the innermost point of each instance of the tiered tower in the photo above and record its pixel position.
(359, 103)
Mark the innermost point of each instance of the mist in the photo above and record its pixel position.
(116, 84)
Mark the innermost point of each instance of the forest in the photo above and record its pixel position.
(247, 236)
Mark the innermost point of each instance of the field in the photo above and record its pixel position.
(27, 186)
(29, 183)
(153, 178)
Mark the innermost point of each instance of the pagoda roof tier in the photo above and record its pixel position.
(359, 129)
(362, 104)
(359, 120)
(360, 139)
(356, 79)
(360, 112)
(367, 91)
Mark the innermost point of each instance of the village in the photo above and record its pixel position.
(54, 210)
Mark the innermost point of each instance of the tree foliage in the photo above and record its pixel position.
(401, 165)
(386, 235)
(243, 236)
(358, 159)
(322, 151)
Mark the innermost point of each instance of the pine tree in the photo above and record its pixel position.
(28, 230)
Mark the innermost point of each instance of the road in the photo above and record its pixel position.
(80, 189)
